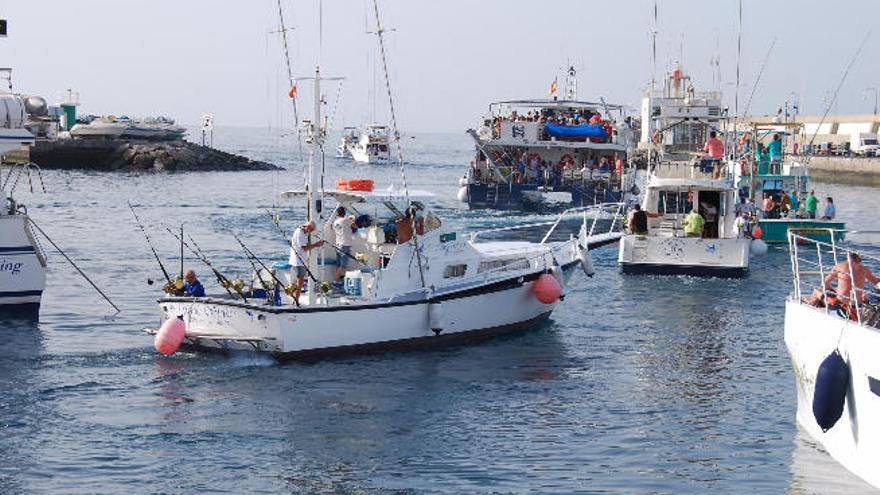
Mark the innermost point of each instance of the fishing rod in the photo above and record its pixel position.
(41, 231)
(287, 289)
(222, 279)
(150, 243)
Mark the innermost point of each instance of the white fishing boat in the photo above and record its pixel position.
(349, 139)
(22, 263)
(832, 337)
(374, 145)
(408, 288)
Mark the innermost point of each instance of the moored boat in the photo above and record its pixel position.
(22, 261)
(373, 146)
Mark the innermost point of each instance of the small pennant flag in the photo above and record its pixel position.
(552, 90)
(292, 92)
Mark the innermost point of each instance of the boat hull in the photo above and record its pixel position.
(810, 336)
(694, 256)
(776, 230)
(22, 267)
(454, 316)
(688, 270)
(516, 197)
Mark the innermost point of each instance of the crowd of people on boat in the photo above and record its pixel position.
(571, 117)
(780, 204)
(528, 167)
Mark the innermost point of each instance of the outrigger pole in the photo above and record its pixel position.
(150, 243)
(380, 35)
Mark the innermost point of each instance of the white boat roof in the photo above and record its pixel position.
(377, 195)
(550, 103)
(701, 184)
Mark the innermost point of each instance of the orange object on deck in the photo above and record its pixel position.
(354, 185)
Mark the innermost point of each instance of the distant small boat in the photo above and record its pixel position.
(152, 129)
(373, 146)
(349, 139)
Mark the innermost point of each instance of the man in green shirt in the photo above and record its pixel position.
(693, 224)
(811, 205)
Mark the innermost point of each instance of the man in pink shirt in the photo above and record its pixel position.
(714, 146)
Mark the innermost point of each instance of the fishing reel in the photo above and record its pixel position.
(290, 290)
(174, 287)
(324, 287)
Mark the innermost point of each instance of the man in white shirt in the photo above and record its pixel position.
(299, 253)
(342, 227)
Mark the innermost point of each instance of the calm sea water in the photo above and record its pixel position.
(636, 385)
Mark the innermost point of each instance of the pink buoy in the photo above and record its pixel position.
(170, 335)
(547, 289)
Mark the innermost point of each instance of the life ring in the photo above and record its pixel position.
(690, 197)
(655, 138)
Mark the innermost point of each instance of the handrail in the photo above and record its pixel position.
(857, 297)
(598, 208)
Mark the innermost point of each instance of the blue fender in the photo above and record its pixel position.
(832, 384)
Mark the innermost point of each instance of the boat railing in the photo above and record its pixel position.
(816, 265)
(594, 213)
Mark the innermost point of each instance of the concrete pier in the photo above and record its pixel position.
(845, 170)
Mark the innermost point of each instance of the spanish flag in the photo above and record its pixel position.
(292, 92)
(552, 90)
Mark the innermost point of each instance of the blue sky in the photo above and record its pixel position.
(448, 59)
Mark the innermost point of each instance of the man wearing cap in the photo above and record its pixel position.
(299, 249)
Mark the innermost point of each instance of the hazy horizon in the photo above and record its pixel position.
(448, 60)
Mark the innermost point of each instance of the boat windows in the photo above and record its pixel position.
(503, 265)
(454, 271)
(675, 202)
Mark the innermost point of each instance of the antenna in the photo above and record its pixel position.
(654, 51)
(291, 82)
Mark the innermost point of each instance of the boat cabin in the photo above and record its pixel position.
(674, 199)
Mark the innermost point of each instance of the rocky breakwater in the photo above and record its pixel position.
(113, 155)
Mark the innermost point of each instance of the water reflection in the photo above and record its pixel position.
(814, 472)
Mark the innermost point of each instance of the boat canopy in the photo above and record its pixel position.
(557, 104)
(351, 197)
(700, 184)
(583, 130)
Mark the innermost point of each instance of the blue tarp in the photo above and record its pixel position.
(582, 131)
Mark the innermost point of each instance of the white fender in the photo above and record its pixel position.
(583, 253)
(463, 181)
(462, 194)
(435, 317)
(758, 247)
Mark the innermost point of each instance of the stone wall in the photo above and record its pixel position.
(843, 170)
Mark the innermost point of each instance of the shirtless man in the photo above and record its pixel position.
(860, 273)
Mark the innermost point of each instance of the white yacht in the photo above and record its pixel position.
(347, 142)
(420, 286)
(717, 251)
(833, 348)
(111, 127)
(373, 146)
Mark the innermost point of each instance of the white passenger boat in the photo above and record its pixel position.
(347, 142)
(425, 288)
(373, 146)
(549, 154)
(833, 347)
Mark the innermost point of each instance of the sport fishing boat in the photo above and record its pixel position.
(792, 174)
(348, 140)
(417, 283)
(22, 262)
(373, 145)
(716, 250)
(548, 154)
(833, 335)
